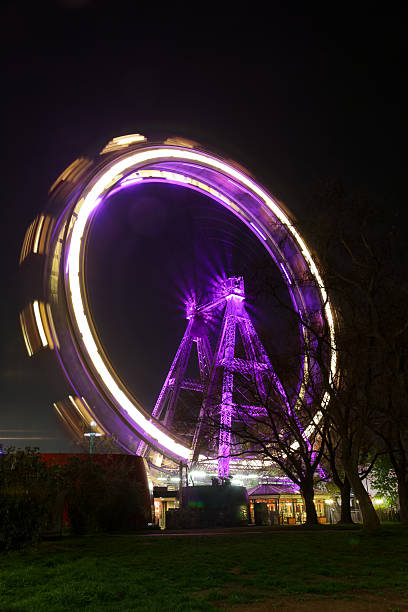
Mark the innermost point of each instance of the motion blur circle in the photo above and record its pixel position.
(74, 200)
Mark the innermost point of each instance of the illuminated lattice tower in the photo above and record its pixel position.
(217, 370)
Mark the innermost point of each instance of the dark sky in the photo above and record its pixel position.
(297, 95)
(150, 249)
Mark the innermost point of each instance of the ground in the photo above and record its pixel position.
(243, 571)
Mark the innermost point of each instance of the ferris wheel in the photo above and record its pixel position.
(57, 322)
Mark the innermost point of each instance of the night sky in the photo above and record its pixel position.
(295, 96)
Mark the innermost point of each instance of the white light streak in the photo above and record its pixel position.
(130, 139)
(258, 231)
(52, 326)
(39, 323)
(88, 204)
(123, 141)
(25, 336)
(28, 438)
(73, 402)
(176, 177)
(286, 273)
(38, 233)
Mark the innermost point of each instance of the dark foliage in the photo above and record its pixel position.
(34, 497)
(100, 498)
(27, 493)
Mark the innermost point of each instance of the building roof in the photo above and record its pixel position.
(274, 489)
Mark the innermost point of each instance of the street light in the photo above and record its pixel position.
(92, 435)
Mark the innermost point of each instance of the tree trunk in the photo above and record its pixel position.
(371, 522)
(345, 490)
(400, 464)
(403, 496)
(307, 491)
(370, 517)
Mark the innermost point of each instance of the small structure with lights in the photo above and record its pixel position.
(280, 502)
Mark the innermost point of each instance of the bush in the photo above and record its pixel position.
(83, 485)
(27, 491)
(120, 507)
(100, 498)
(95, 497)
(21, 521)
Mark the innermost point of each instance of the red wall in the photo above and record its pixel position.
(135, 467)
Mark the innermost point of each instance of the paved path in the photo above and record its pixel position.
(235, 532)
(197, 533)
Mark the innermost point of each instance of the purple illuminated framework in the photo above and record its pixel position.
(216, 369)
(74, 200)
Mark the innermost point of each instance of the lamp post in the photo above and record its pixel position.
(92, 435)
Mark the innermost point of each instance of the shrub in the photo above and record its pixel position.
(33, 497)
(84, 489)
(120, 507)
(27, 491)
(100, 498)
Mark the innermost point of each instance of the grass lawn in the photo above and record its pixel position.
(293, 570)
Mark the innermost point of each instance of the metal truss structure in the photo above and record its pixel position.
(57, 321)
(217, 370)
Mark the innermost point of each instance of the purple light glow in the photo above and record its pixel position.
(207, 174)
(190, 305)
(217, 391)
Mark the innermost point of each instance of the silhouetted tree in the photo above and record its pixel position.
(364, 274)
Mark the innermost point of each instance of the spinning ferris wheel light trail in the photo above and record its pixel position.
(57, 317)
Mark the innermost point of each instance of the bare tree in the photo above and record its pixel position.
(364, 275)
(331, 459)
(275, 423)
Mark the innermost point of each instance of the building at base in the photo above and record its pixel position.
(282, 504)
